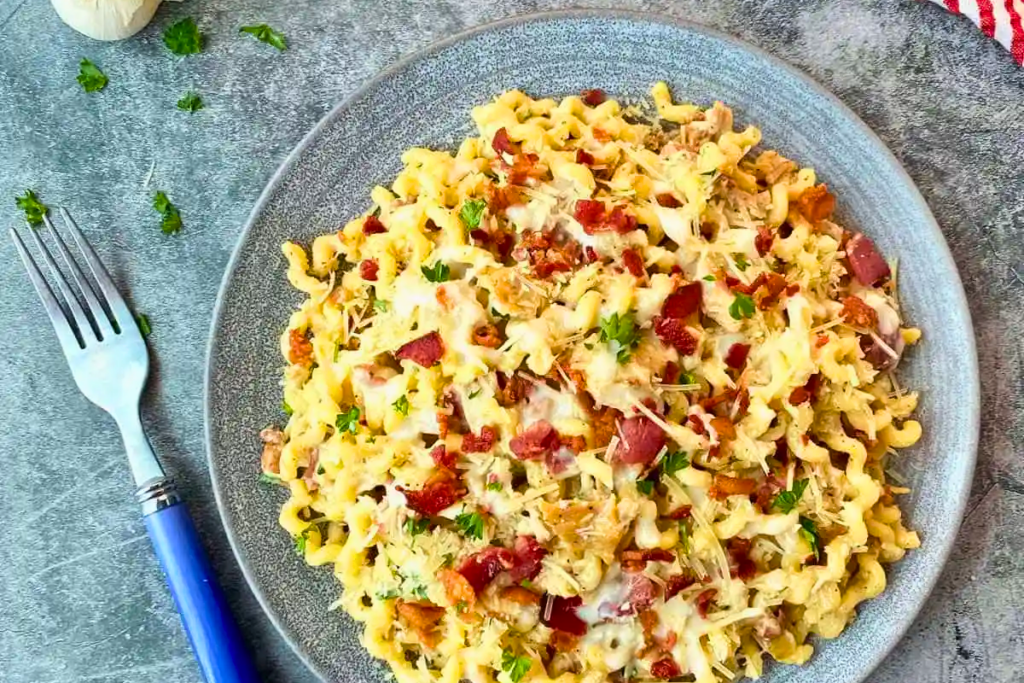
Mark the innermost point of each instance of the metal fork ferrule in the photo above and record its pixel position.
(157, 494)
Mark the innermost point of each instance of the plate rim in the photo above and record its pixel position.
(972, 395)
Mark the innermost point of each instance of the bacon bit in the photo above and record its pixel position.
(523, 166)
(575, 443)
(764, 240)
(300, 348)
(511, 389)
(867, 264)
(527, 555)
(821, 341)
(545, 254)
(368, 269)
(444, 458)
(309, 475)
(561, 641)
(792, 289)
(479, 444)
(723, 486)
(584, 157)
(737, 355)
(421, 617)
(601, 134)
(593, 97)
(603, 422)
(431, 226)
(742, 400)
(441, 491)
(711, 402)
(769, 290)
(640, 594)
(500, 198)
(724, 427)
(816, 203)
(620, 221)
(373, 226)
(648, 555)
(673, 332)
(768, 489)
(683, 302)
(642, 440)
(538, 440)
(273, 444)
(520, 596)
(799, 395)
(590, 254)
(648, 621)
(670, 375)
(696, 424)
(479, 235)
(857, 313)
(589, 213)
(457, 588)
(559, 614)
(634, 263)
(704, 601)
(681, 512)
(480, 568)
(425, 350)
(668, 200)
(502, 144)
(665, 669)
(677, 583)
(487, 335)
(739, 552)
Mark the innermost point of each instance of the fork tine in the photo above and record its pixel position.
(86, 332)
(99, 314)
(65, 333)
(118, 309)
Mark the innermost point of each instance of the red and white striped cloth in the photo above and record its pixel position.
(999, 19)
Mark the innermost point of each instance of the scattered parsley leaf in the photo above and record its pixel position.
(471, 524)
(300, 540)
(415, 527)
(448, 560)
(171, 222)
(621, 330)
(90, 77)
(708, 278)
(265, 34)
(494, 486)
(184, 38)
(526, 583)
(143, 322)
(809, 532)
(401, 405)
(191, 102)
(380, 305)
(687, 378)
(439, 273)
(286, 408)
(786, 500)
(515, 667)
(673, 462)
(742, 263)
(348, 421)
(460, 606)
(420, 592)
(474, 393)
(741, 307)
(645, 486)
(269, 478)
(33, 208)
(389, 594)
(684, 535)
(471, 213)
(320, 469)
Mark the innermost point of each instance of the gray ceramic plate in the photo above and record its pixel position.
(425, 100)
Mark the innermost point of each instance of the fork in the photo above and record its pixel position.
(109, 362)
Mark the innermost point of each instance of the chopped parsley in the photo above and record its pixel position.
(143, 322)
(90, 77)
(33, 208)
(471, 213)
(708, 278)
(448, 560)
(389, 594)
(786, 501)
(286, 408)
(269, 478)
(420, 592)
(474, 393)
(673, 462)
(621, 330)
(440, 272)
(471, 524)
(415, 527)
(687, 378)
(494, 486)
(742, 263)
(809, 532)
(170, 223)
(401, 405)
(300, 540)
(348, 421)
(265, 34)
(191, 102)
(741, 307)
(684, 535)
(380, 305)
(645, 486)
(515, 667)
(184, 38)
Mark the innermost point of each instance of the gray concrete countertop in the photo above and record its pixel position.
(82, 597)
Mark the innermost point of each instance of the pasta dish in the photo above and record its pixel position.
(605, 394)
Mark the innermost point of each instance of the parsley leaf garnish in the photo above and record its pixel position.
(471, 524)
(673, 462)
(440, 272)
(286, 408)
(420, 592)
(494, 486)
(460, 606)
(170, 224)
(265, 34)
(448, 560)
(348, 421)
(191, 102)
(786, 501)
(645, 486)
(143, 322)
(687, 378)
(33, 208)
(380, 305)
(474, 393)
(389, 594)
(515, 667)
(415, 527)
(742, 263)
(471, 213)
(708, 278)
(90, 77)
(741, 307)
(684, 535)
(621, 330)
(401, 405)
(268, 478)
(809, 532)
(184, 38)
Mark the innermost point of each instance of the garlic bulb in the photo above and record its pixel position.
(106, 19)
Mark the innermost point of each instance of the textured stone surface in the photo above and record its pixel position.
(82, 596)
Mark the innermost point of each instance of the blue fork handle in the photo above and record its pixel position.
(211, 630)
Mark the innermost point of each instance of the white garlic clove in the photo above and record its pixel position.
(106, 19)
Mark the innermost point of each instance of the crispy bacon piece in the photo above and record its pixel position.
(736, 357)
(373, 226)
(487, 335)
(309, 474)
(678, 583)
(584, 157)
(867, 264)
(641, 440)
(527, 555)
(420, 616)
(696, 424)
(685, 301)
(559, 613)
(520, 596)
(480, 568)
(537, 441)
(743, 567)
(764, 240)
(457, 588)
(500, 198)
(681, 512)
(704, 601)
(724, 427)
(502, 144)
(799, 395)
(634, 263)
(589, 213)
(820, 341)
(648, 555)
(545, 254)
(665, 668)
(674, 333)
(620, 221)
(273, 444)
(668, 200)
(602, 422)
(561, 641)
(300, 348)
(772, 285)
(816, 203)
(368, 269)
(479, 444)
(425, 350)
(770, 487)
(590, 254)
(441, 491)
(640, 594)
(443, 457)
(593, 97)
(723, 486)
(511, 389)
(523, 166)
(859, 314)
(670, 375)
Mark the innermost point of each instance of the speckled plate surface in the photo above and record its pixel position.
(425, 100)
